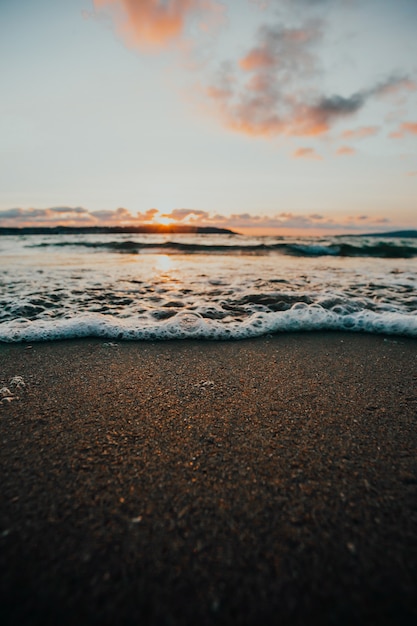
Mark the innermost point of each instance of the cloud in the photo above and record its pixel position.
(272, 89)
(293, 221)
(122, 216)
(414, 173)
(70, 216)
(153, 24)
(329, 109)
(306, 153)
(406, 128)
(345, 150)
(66, 210)
(53, 214)
(398, 87)
(361, 132)
(66, 216)
(182, 214)
(242, 222)
(260, 94)
(409, 127)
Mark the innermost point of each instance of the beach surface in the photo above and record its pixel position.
(268, 481)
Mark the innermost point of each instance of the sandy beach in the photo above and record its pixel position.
(269, 481)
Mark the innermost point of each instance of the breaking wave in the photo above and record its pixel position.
(390, 249)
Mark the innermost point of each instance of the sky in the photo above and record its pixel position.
(267, 117)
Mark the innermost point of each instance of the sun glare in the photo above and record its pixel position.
(164, 263)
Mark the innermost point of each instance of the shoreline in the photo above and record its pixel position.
(268, 480)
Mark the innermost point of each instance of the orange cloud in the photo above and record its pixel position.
(271, 90)
(180, 215)
(255, 59)
(360, 133)
(242, 222)
(123, 216)
(154, 24)
(258, 96)
(345, 150)
(306, 153)
(406, 128)
(264, 56)
(284, 220)
(409, 127)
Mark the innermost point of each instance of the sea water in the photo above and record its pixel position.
(124, 286)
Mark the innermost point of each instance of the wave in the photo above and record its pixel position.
(192, 325)
(383, 249)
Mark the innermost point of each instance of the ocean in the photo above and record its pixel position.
(149, 287)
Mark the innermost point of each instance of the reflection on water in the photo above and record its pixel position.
(164, 264)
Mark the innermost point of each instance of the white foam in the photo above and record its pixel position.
(186, 324)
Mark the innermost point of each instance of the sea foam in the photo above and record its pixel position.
(189, 325)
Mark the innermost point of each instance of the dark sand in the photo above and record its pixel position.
(269, 481)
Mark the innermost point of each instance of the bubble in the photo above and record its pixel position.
(299, 306)
(188, 323)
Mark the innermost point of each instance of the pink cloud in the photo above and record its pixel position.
(258, 96)
(345, 151)
(67, 216)
(123, 216)
(398, 87)
(292, 221)
(186, 214)
(256, 59)
(406, 128)
(360, 133)
(272, 91)
(306, 153)
(283, 220)
(73, 216)
(53, 215)
(154, 24)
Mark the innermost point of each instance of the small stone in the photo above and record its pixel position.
(8, 399)
(18, 382)
(5, 393)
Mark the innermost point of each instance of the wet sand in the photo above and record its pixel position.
(269, 481)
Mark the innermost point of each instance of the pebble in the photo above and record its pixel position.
(16, 383)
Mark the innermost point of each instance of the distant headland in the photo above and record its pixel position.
(151, 229)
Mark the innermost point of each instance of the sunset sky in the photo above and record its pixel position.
(287, 116)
